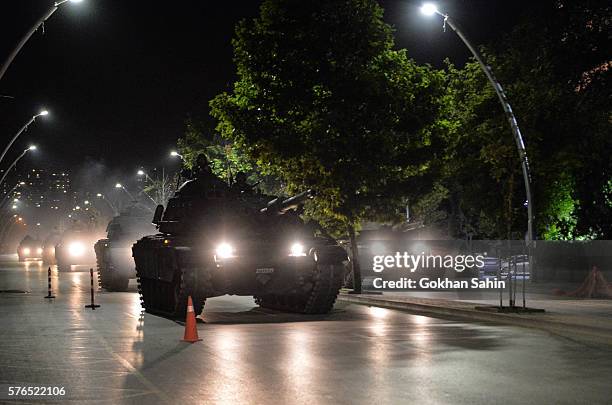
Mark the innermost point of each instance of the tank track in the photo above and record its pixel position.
(169, 299)
(327, 280)
(102, 273)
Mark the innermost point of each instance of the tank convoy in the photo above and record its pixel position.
(215, 239)
(114, 253)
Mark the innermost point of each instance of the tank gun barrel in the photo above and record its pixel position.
(280, 207)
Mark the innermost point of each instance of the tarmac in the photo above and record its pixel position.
(585, 320)
(117, 354)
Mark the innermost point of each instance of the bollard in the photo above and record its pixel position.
(50, 292)
(92, 305)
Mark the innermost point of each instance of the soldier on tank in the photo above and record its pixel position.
(240, 183)
(202, 169)
(203, 179)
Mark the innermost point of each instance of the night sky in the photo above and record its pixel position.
(120, 77)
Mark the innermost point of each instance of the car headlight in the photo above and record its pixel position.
(224, 251)
(39, 250)
(26, 251)
(297, 249)
(76, 249)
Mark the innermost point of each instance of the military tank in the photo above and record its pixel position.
(48, 247)
(114, 253)
(29, 249)
(216, 240)
(75, 247)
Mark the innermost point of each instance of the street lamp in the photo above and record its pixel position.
(25, 127)
(6, 197)
(32, 147)
(110, 204)
(119, 185)
(175, 153)
(431, 9)
(31, 32)
(141, 172)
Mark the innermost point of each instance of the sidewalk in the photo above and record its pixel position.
(587, 320)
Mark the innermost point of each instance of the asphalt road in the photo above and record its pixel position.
(355, 355)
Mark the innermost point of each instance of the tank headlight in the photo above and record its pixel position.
(76, 249)
(39, 250)
(26, 251)
(297, 249)
(224, 251)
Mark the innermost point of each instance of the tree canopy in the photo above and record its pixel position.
(324, 102)
(555, 69)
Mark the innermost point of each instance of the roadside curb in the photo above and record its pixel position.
(467, 311)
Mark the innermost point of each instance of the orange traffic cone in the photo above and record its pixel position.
(191, 331)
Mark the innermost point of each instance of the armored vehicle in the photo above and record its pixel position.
(48, 247)
(29, 249)
(75, 248)
(216, 240)
(114, 253)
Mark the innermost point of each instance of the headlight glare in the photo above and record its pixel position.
(297, 249)
(39, 250)
(76, 249)
(26, 251)
(224, 250)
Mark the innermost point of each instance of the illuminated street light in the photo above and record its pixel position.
(141, 172)
(431, 9)
(119, 185)
(31, 32)
(15, 162)
(175, 153)
(110, 204)
(42, 113)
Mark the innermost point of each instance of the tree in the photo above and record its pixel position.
(160, 187)
(225, 160)
(323, 101)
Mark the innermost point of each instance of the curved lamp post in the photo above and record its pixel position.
(143, 173)
(119, 185)
(25, 127)
(6, 197)
(175, 154)
(110, 204)
(31, 32)
(431, 9)
(15, 162)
